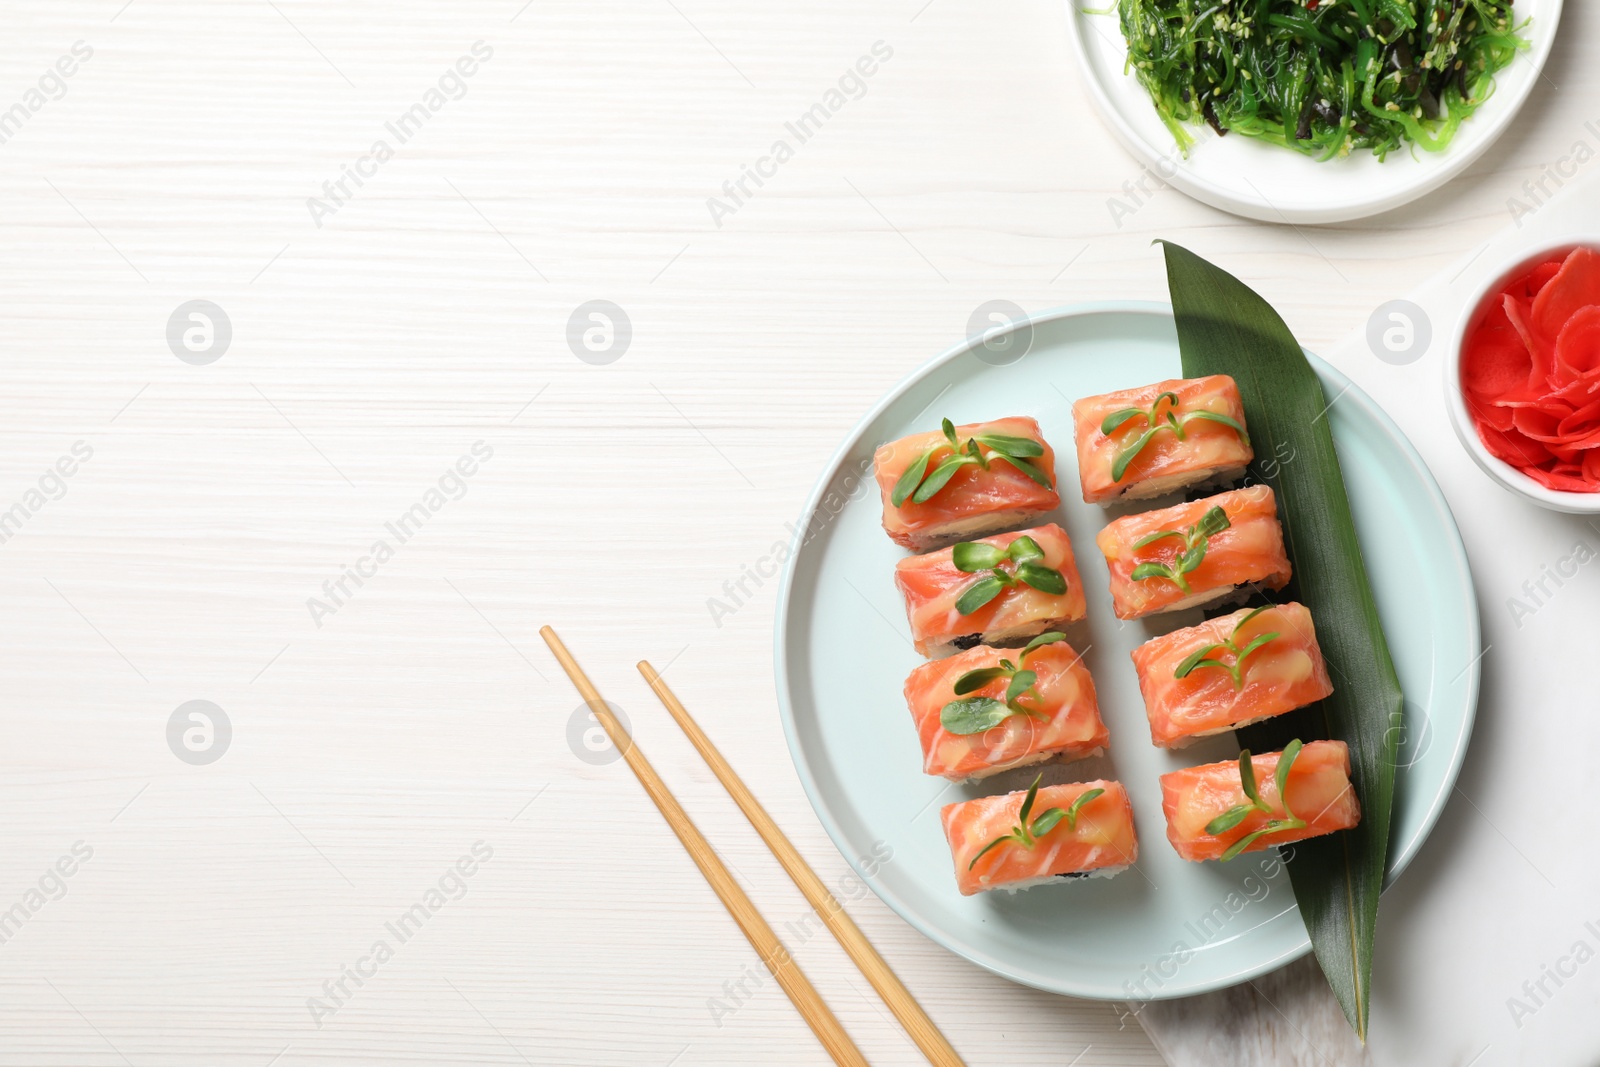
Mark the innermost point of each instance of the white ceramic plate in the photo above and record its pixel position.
(1262, 181)
(843, 652)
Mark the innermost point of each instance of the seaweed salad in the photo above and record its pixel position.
(1324, 77)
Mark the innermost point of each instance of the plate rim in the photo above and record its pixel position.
(1262, 209)
(1399, 859)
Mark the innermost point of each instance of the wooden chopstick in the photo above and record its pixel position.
(772, 952)
(850, 938)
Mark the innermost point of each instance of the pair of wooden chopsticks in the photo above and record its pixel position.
(772, 951)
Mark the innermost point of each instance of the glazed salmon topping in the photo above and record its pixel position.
(933, 586)
(1160, 437)
(1100, 835)
(937, 486)
(1191, 553)
(1211, 814)
(968, 726)
(1229, 671)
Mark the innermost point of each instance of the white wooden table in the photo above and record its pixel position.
(375, 338)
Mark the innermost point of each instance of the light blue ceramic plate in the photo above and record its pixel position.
(1167, 928)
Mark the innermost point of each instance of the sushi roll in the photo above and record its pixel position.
(1202, 552)
(1019, 840)
(1229, 672)
(965, 481)
(986, 711)
(1219, 810)
(1139, 443)
(1001, 590)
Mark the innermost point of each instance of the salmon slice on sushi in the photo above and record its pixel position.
(1217, 811)
(1001, 590)
(1061, 832)
(965, 481)
(1203, 552)
(1138, 443)
(986, 710)
(1229, 672)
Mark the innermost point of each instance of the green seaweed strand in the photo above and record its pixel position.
(1324, 80)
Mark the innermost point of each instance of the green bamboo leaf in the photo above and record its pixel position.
(974, 556)
(1043, 579)
(911, 478)
(978, 594)
(973, 716)
(1225, 328)
(972, 681)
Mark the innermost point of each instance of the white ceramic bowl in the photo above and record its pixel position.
(1249, 177)
(1496, 468)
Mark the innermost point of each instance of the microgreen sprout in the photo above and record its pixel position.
(1202, 657)
(921, 485)
(1156, 420)
(975, 715)
(1194, 541)
(971, 557)
(1247, 779)
(1027, 833)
